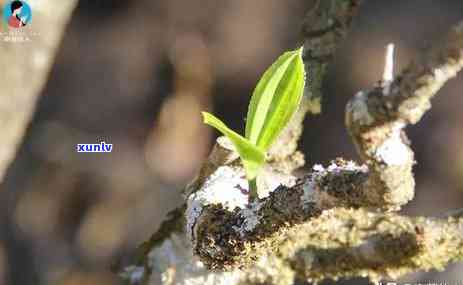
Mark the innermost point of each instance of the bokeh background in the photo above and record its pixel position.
(137, 74)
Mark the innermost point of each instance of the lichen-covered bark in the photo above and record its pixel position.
(376, 119)
(324, 26)
(335, 221)
(230, 233)
(27, 62)
(227, 234)
(343, 243)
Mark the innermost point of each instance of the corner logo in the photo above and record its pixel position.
(17, 14)
(16, 22)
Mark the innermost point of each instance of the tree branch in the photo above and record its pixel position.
(322, 225)
(344, 243)
(376, 118)
(227, 233)
(325, 25)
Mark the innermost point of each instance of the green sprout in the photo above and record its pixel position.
(274, 101)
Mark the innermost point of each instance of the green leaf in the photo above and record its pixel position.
(275, 99)
(252, 157)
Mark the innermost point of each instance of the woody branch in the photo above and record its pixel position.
(228, 234)
(307, 229)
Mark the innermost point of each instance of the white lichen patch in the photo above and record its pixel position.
(226, 186)
(393, 150)
(336, 168)
(173, 263)
(318, 167)
(358, 109)
(251, 218)
(352, 166)
(311, 193)
(269, 179)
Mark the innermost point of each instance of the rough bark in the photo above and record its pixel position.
(337, 221)
(376, 119)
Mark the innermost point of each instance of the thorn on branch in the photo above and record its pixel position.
(388, 74)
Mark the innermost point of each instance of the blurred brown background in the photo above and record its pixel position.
(137, 74)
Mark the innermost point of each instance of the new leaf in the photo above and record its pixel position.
(251, 156)
(275, 99)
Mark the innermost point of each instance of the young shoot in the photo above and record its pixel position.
(274, 101)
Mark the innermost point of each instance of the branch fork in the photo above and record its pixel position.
(338, 221)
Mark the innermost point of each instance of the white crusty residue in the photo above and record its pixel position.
(393, 151)
(226, 186)
(352, 166)
(173, 263)
(318, 167)
(251, 217)
(309, 195)
(347, 166)
(310, 192)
